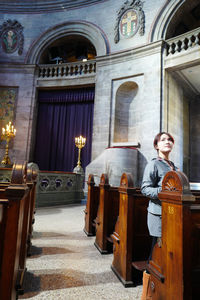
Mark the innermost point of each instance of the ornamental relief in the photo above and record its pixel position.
(12, 38)
(130, 20)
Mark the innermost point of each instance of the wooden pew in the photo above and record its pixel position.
(131, 240)
(32, 175)
(108, 211)
(27, 225)
(175, 264)
(91, 206)
(13, 231)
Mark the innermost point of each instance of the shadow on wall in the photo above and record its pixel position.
(142, 162)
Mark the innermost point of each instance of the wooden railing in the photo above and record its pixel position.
(53, 71)
(183, 42)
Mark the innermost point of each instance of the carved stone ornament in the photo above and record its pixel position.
(130, 19)
(12, 39)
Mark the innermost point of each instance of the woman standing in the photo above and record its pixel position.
(151, 186)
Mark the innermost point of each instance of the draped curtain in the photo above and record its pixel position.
(63, 115)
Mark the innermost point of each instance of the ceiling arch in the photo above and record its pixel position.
(174, 18)
(85, 29)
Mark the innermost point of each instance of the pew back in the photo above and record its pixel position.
(14, 208)
(131, 241)
(175, 264)
(91, 206)
(108, 211)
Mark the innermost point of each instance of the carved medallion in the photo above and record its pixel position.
(12, 38)
(130, 19)
(129, 23)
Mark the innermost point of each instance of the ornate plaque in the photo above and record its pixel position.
(129, 23)
(130, 19)
(9, 41)
(12, 37)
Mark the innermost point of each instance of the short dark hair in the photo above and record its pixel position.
(158, 136)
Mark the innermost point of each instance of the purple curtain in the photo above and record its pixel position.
(63, 115)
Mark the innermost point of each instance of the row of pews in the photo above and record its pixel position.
(117, 217)
(17, 205)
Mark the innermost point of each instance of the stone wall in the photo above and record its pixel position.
(195, 140)
(177, 121)
(22, 77)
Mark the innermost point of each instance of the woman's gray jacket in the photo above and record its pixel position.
(152, 182)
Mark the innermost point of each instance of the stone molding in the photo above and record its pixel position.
(163, 19)
(130, 54)
(44, 6)
(137, 6)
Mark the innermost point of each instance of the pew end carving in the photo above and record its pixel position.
(175, 266)
(91, 206)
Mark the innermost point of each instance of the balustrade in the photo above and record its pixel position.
(183, 42)
(67, 70)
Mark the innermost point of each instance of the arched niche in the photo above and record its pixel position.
(70, 48)
(174, 18)
(87, 30)
(124, 118)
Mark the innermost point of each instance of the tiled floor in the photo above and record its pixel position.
(65, 263)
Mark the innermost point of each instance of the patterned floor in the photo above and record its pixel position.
(65, 263)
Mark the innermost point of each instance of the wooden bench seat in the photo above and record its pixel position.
(15, 207)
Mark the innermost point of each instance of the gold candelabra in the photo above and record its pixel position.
(80, 143)
(7, 134)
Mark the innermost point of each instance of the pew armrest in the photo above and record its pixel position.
(115, 237)
(155, 272)
(140, 265)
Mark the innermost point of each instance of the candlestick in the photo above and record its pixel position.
(7, 134)
(80, 143)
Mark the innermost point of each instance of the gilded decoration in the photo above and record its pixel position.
(12, 39)
(8, 98)
(130, 20)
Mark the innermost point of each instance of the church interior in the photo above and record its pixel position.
(85, 86)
